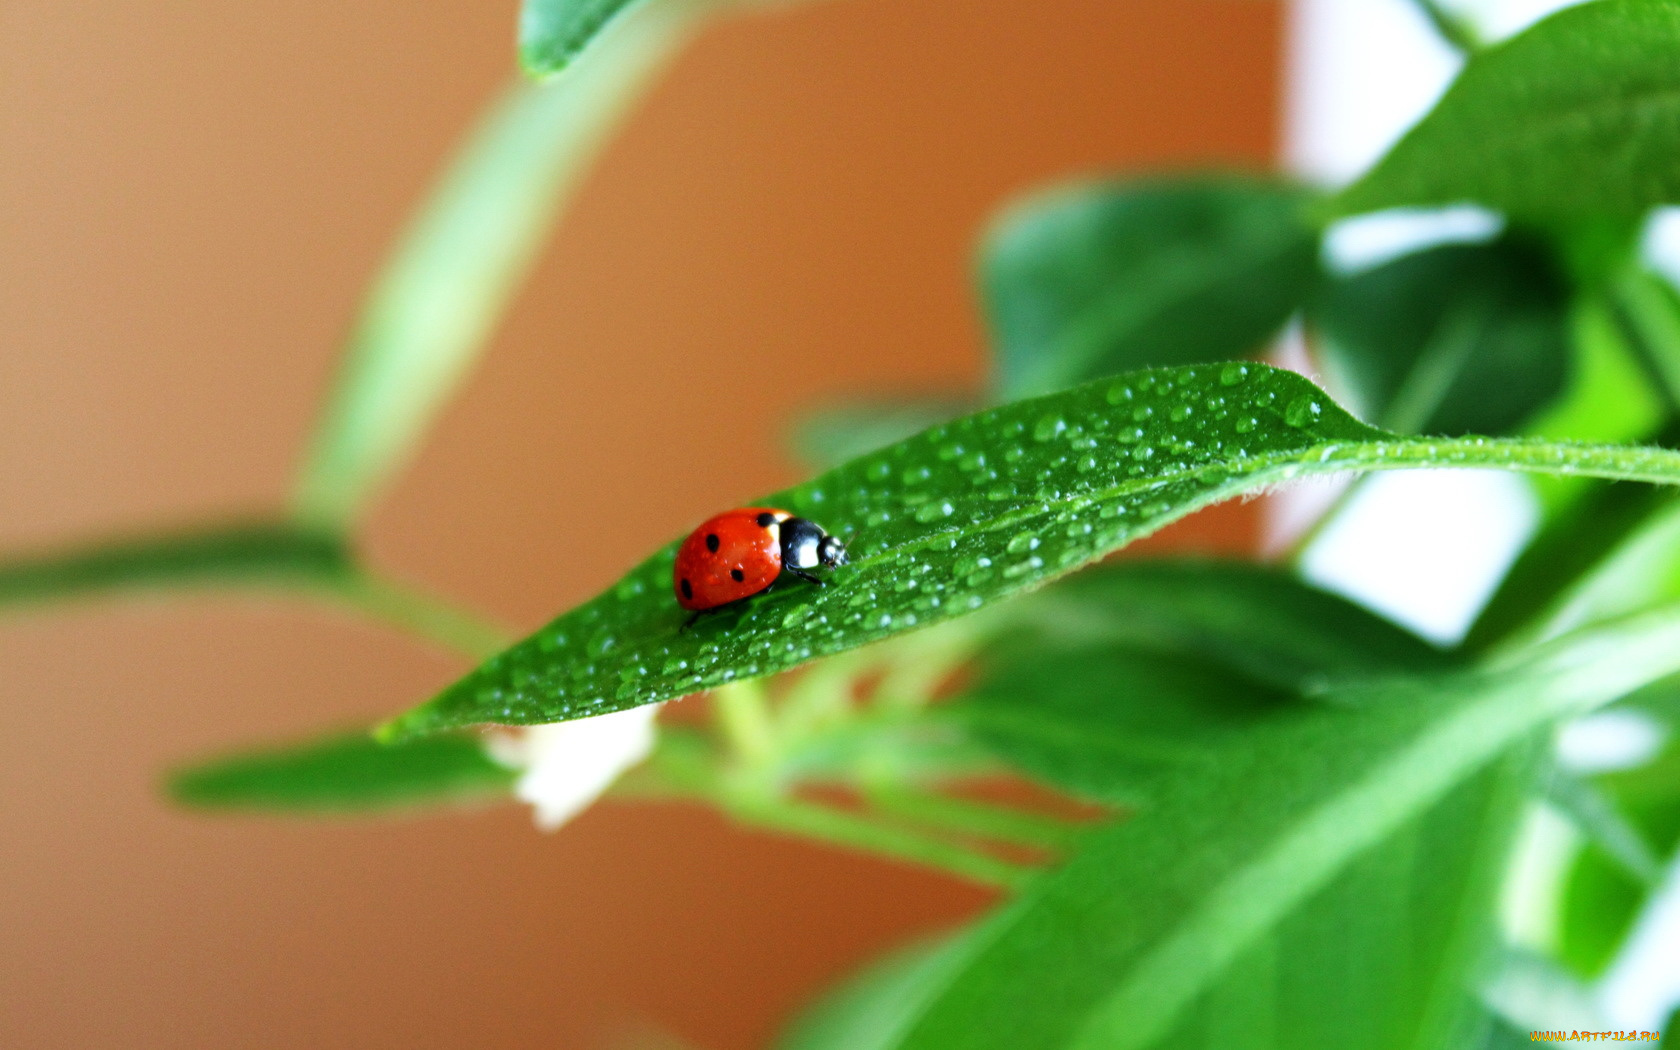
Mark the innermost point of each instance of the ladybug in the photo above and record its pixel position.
(741, 552)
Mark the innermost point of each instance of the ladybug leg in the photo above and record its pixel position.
(691, 621)
(806, 576)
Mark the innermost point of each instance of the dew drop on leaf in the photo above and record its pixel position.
(1233, 373)
(935, 511)
(1021, 543)
(1049, 427)
(1302, 412)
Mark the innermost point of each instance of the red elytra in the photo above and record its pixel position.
(741, 552)
(731, 556)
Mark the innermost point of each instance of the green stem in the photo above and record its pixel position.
(1452, 28)
(857, 831)
(743, 714)
(683, 768)
(414, 612)
(978, 819)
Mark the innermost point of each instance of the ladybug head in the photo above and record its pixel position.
(832, 552)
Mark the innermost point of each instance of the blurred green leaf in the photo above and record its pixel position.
(870, 1011)
(1646, 309)
(1614, 552)
(1094, 279)
(1579, 115)
(1257, 621)
(1106, 723)
(244, 554)
(1604, 896)
(965, 514)
(345, 773)
(1324, 879)
(1459, 339)
(833, 435)
(1146, 665)
(454, 271)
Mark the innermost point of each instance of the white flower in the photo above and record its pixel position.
(567, 765)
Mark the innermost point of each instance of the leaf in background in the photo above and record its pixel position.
(236, 554)
(1614, 552)
(1140, 667)
(1458, 339)
(346, 773)
(965, 514)
(1090, 280)
(1579, 115)
(870, 1010)
(1602, 897)
(1324, 880)
(1262, 623)
(463, 258)
(1105, 722)
(835, 434)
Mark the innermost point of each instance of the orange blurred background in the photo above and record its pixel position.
(195, 195)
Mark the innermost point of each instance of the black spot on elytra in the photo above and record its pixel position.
(737, 575)
(687, 589)
(766, 520)
(712, 542)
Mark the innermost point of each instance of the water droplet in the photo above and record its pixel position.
(1142, 452)
(1141, 413)
(1119, 393)
(1180, 413)
(1130, 434)
(971, 562)
(915, 475)
(1049, 427)
(1233, 373)
(1247, 424)
(935, 511)
(1013, 453)
(1087, 463)
(1022, 568)
(1021, 543)
(1302, 412)
(600, 643)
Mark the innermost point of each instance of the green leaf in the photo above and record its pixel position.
(1324, 880)
(1605, 895)
(1577, 116)
(1459, 339)
(1145, 666)
(869, 1011)
(1090, 280)
(459, 264)
(1614, 552)
(968, 513)
(259, 553)
(345, 773)
(1258, 622)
